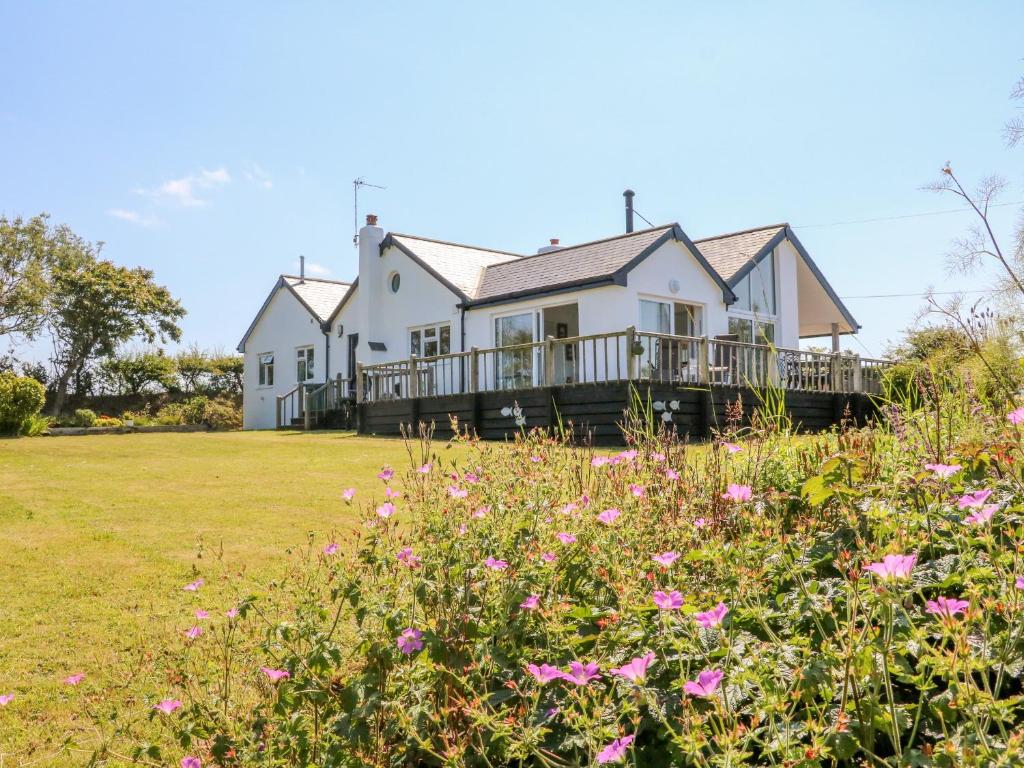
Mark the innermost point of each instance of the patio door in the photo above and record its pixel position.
(514, 368)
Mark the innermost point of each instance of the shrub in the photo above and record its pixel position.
(843, 600)
(21, 399)
(108, 421)
(83, 417)
(36, 425)
(143, 418)
(218, 413)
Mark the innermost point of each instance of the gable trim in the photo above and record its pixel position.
(390, 241)
(344, 300)
(281, 283)
(786, 233)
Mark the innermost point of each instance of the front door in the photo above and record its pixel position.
(353, 342)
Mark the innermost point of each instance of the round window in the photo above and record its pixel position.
(396, 282)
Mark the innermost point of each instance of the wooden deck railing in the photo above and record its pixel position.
(628, 355)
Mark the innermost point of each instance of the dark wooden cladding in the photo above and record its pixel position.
(598, 411)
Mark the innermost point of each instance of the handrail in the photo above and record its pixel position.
(614, 356)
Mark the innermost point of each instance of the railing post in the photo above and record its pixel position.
(414, 378)
(632, 360)
(549, 361)
(359, 383)
(277, 412)
(858, 375)
(474, 368)
(703, 362)
(836, 372)
(774, 377)
(306, 411)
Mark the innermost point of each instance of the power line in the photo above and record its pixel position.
(904, 216)
(910, 295)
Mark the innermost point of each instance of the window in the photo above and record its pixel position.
(655, 316)
(303, 364)
(266, 369)
(752, 331)
(515, 367)
(395, 282)
(756, 291)
(430, 341)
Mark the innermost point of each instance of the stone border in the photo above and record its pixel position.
(66, 431)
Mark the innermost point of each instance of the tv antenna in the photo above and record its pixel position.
(356, 184)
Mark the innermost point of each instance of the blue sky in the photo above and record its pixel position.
(215, 142)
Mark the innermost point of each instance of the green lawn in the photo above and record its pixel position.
(98, 534)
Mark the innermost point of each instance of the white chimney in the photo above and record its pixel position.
(554, 246)
(371, 286)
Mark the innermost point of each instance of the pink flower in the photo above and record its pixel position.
(609, 515)
(462, 529)
(545, 673)
(636, 670)
(974, 499)
(332, 548)
(946, 607)
(386, 474)
(737, 493)
(668, 601)
(471, 478)
(566, 538)
(584, 500)
(457, 493)
(568, 508)
(531, 603)
(391, 493)
(637, 490)
(599, 461)
(549, 557)
(232, 613)
(407, 558)
(732, 447)
(666, 558)
(700, 522)
(671, 474)
(711, 618)
(1016, 416)
(706, 683)
(194, 633)
(495, 565)
(194, 586)
(167, 706)
(348, 494)
(6, 699)
(536, 459)
(628, 455)
(385, 510)
(275, 675)
(424, 469)
(201, 614)
(893, 567)
(943, 470)
(659, 457)
(981, 516)
(580, 673)
(191, 762)
(410, 641)
(74, 679)
(616, 751)
(1019, 583)
(481, 513)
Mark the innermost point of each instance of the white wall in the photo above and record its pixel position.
(284, 326)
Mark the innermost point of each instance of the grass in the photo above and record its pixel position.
(99, 534)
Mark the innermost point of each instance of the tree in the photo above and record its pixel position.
(228, 371)
(135, 371)
(27, 252)
(96, 306)
(194, 366)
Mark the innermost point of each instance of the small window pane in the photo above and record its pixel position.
(446, 339)
(655, 317)
(430, 348)
(414, 343)
(741, 329)
(429, 333)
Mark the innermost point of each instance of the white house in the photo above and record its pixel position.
(416, 296)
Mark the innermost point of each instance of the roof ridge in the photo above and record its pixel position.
(565, 248)
(317, 279)
(742, 232)
(457, 245)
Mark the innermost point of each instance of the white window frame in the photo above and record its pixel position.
(426, 327)
(302, 354)
(262, 368)
(700, 306)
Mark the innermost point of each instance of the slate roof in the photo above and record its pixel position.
(729, 253)
(461, 265)
(573, 264)
(320, 296)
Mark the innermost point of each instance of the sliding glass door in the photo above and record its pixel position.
(514, 367)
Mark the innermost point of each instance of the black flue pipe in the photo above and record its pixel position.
(628, 194)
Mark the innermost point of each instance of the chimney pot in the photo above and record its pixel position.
(371, 219)
(554, 241)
